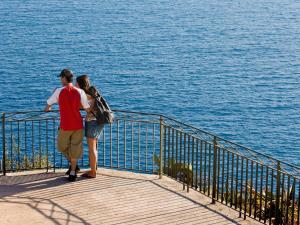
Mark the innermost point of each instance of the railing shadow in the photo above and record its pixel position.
(39, 205)
(49, 194)
(195, 202)
(12, 186)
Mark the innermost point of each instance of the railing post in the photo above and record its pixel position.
(4, 145)
(214, 171)
(277, 209)
(161, 120)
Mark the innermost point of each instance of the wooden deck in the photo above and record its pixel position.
(114, 197)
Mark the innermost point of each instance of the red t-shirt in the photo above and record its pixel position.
(70, 100)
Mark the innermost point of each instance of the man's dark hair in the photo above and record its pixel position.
(66, 73)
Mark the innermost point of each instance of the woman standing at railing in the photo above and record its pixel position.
(92, 128)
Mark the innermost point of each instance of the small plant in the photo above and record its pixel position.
(180, 171)
(16, 160)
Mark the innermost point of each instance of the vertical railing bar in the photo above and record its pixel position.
(125, 144)
(188, 163)
(153, 146)
(223, 174)
(251, 189)
(241, 188)
(236, 181)
(32, 143)
(176, 154)
(132, 145)
(165, 150)
(173, 149)
(282, 192)
(169, 149)
(215, 159)
(40, 144)
(293, 199)
(266, 195)
(200, 178)
(184, 151)
(218, 172)
(246, 188)
(184, 159)
(271, 192)
(278, 186)
(3, 145)
(97, 150)
(161, 145)
(146, 152)
(287, 200)
(197, 158)
(25, 146)
(205, 162)
(227, 178)
(261, 191)
(180, 148)
(11, 146)
(209, 168)
(54, 155)
(104, 157)
(47, 143)
(232, 177)
(111, 146)
(256, 187)
(139, 146)
(193, 152)
(298, 210)
(19, 164)
(118, 143)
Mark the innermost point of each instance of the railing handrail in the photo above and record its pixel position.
(114, 110)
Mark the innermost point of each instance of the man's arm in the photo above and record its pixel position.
(47, 108)
(52, 100)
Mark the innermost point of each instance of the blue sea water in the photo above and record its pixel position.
(229, 67)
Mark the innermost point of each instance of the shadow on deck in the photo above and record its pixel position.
(114, 197)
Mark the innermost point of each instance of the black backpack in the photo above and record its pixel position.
(101, 110)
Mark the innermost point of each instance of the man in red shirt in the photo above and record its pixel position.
(70, 136)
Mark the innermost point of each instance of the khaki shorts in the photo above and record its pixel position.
(70, 144)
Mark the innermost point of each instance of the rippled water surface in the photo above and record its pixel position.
(230, 67)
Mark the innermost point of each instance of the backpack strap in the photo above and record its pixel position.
(98, 97)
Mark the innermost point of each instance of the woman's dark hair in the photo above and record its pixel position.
(83, 82)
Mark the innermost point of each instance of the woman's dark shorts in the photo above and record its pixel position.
(93, 129)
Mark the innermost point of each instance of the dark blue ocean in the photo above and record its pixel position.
(229, 67)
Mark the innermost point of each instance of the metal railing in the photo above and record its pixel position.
(29, 142)
(257, 185)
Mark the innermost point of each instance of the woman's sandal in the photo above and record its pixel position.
(89, 174)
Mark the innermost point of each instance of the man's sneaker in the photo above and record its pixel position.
(72, 178)
(76, 170)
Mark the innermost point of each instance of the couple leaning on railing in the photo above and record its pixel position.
(71, 99)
